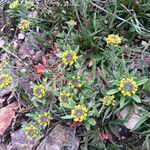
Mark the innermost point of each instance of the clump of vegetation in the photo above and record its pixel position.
(93, 66)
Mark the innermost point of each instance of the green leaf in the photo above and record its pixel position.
(67, 117)
(71, 105)
(91, 121)
(113, 91)
(116, 75)
(31, 115)
(136, 98)
(122, 102)
(106, 113)
(94, 22)
(103, 71)
(147, 142)
(56, 93)
(115, 82)
(94, 69)
(81, 99)
(77, 65)
(133, 72)
(87, 125)
(91, 113)
(142, 80)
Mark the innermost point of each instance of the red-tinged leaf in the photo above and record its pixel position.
(105, 136)
(109, 135)
(38, 75)
(90, 63)
(44, 61)
(40, 69)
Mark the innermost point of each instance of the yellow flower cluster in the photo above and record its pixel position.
(3, 65)
(31, 132)
(75, 82)
(44, 119)
(69, 57)
(71, 23)
(113, 39)
(24, 24)
(39, 91)
(128, 86)
(79, 113)
(65, 98)
(14, 5)
(30, 4)
(1, 68)
(4, 81)
(109, 100)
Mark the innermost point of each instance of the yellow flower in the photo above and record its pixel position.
(14, 5)
(109, 100)
(5, 80)
(79, 113)
(65, 98)
(128, 87)
(31, 132)
(75, 82)
(3, 64)
(39, 91)
(1, 68)
(44, 119)
(69, 57)
(24, 24)
(113, 39)
(71, 23)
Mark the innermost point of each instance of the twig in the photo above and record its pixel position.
(102, 107)
(10, 53)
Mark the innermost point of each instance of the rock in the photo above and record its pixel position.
(21, 36)
(6, 116)
(133, 118)
(61, 138)
(24, 51)
(20, 142)
(2, 146)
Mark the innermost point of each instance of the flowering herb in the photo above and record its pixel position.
(39, 91)
(24, 24)
(44, 119)
(79, 113)
(108, 100)
(113, 39)
(14, 5)
(128, 86)
(65, 97)
(31, 132)
(69, 57)
(5, 81)
(71, 23)
(3, 65)
(75, 82)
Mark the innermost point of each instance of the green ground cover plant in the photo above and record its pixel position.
(94, 65)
